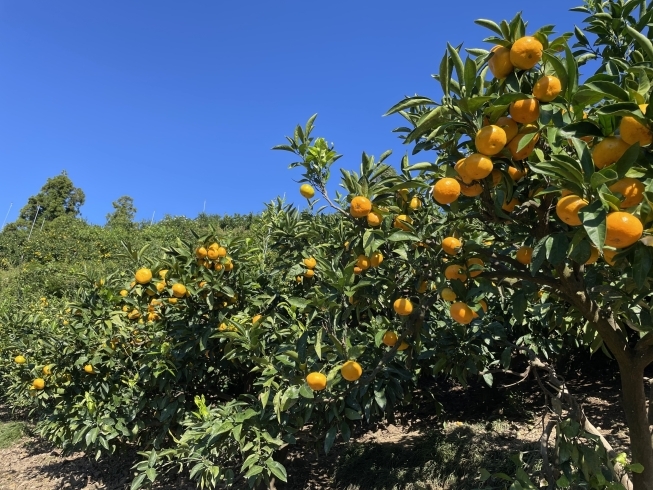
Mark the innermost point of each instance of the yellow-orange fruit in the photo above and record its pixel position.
(446, 190)
(460, 169)
(461, 313)
(403, 306)
(632, 131)
(363, 262)
(310, 262)
(509, 126)
(526, 52)
(524, 255)
(179, 290)
(473, 190)
(447, 294)
(316, 381)
(478, 166)
(402, 221)
(513, 146)
(490, 140)
(351, 370)
(568, 207)
(510, 206)
(516, 174)
(360, 207)
(415, 203)
(376, 259)
(38, 384)
(455, 271)
(622, 229)
(143, 276)
(451, 245)
(374, 219)
(499, 63)
(525, 111)
(307, 191)
(475, 261)
(609, 254)
(608, 151)
(594, 256)
(547, 88)
(200, 253)
(631, 189)
(390, 338)
(309, 273)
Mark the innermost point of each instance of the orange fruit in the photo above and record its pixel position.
(360, 207)
(525, 111)
(447, 294)
(451, 245)
(608, 151)
(351, 370)
(89, 369)
(499, 63)
(363, 262)
(256, 319)
(490, 140)
(402, 195)
(178, 290)
(309, 273)
(510, 206)
(547, 88)
(200, 253)
(608, 255)
(509, 126)
(566, 192)
(513, 146)
(143, 276)
(374, 219)
(594, 256)
(622, 229)
(446, 190)
(568, 207)
(376, 258)
(357, 270)
(524, 255)
(422, 287)
(459, 167)
(160, 286)
(461, 313)
(403, 345)
(47, 370)
(415, 203)
(403, 306)
(516, 174)
(455, 272)
(478, 166)
(390, 338)
(402, 221)
(38, 384)
(632, 131)
(152, 316)
(307, 191)
(316, 381)
(173, 301)
(162, 273)
(124, 292)
(310, 263)
(631, 189)
(475, 261)
(20, 360)
(526, 52)
(472, 190)
(212, 252)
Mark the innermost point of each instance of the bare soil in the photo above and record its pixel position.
(478, 427)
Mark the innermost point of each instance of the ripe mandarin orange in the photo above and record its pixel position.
(447, 294)
(143, 276)
(475, 261)
(622, 229)
(374, 219)
(316, 381)
(490, 140)
(461, 313)
(451, 245)
(547, 88)
(526, 52)
(403, 306)
(360, 207)
(509, 127)
(446, 190)
(402, 221)
(568, 207)
(524, 255)
(478, 166)
(351, 370)
(455, 271)
(608, 151)
(499, 63)
(390, 338)
(310, 262)
(472, 190)
(525, 111)
(307, 191)
(631, 189)
(632, 131)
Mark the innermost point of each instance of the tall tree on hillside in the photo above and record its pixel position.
(58, 197)
(124, 212)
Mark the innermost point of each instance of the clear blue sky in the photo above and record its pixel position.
(174, 103)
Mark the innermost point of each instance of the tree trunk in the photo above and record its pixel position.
(634, 401)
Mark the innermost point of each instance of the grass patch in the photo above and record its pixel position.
(10, 433)
(449, 459)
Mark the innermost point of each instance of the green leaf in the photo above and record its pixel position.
(572, 73)
(253, 471)
(636, 467)
(642, 264)
(488, 378)
(493, 26)
(403, 236)
(604, 176)
(330, 438)
(409, 102)
(457, 63)
(560, 70)
(445, 74)
(585, 157)
(580, 129)
(306, 392)
(277, 469)
(470, 75)
(352, 414)
(518, 307)
(643, 41)
(627, 160)
(593, 219)
(557, 248)
(137, 482)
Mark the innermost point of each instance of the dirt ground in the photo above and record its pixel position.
(478, 427)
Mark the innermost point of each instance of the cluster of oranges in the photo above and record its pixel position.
(350, 370)
(214, 256)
